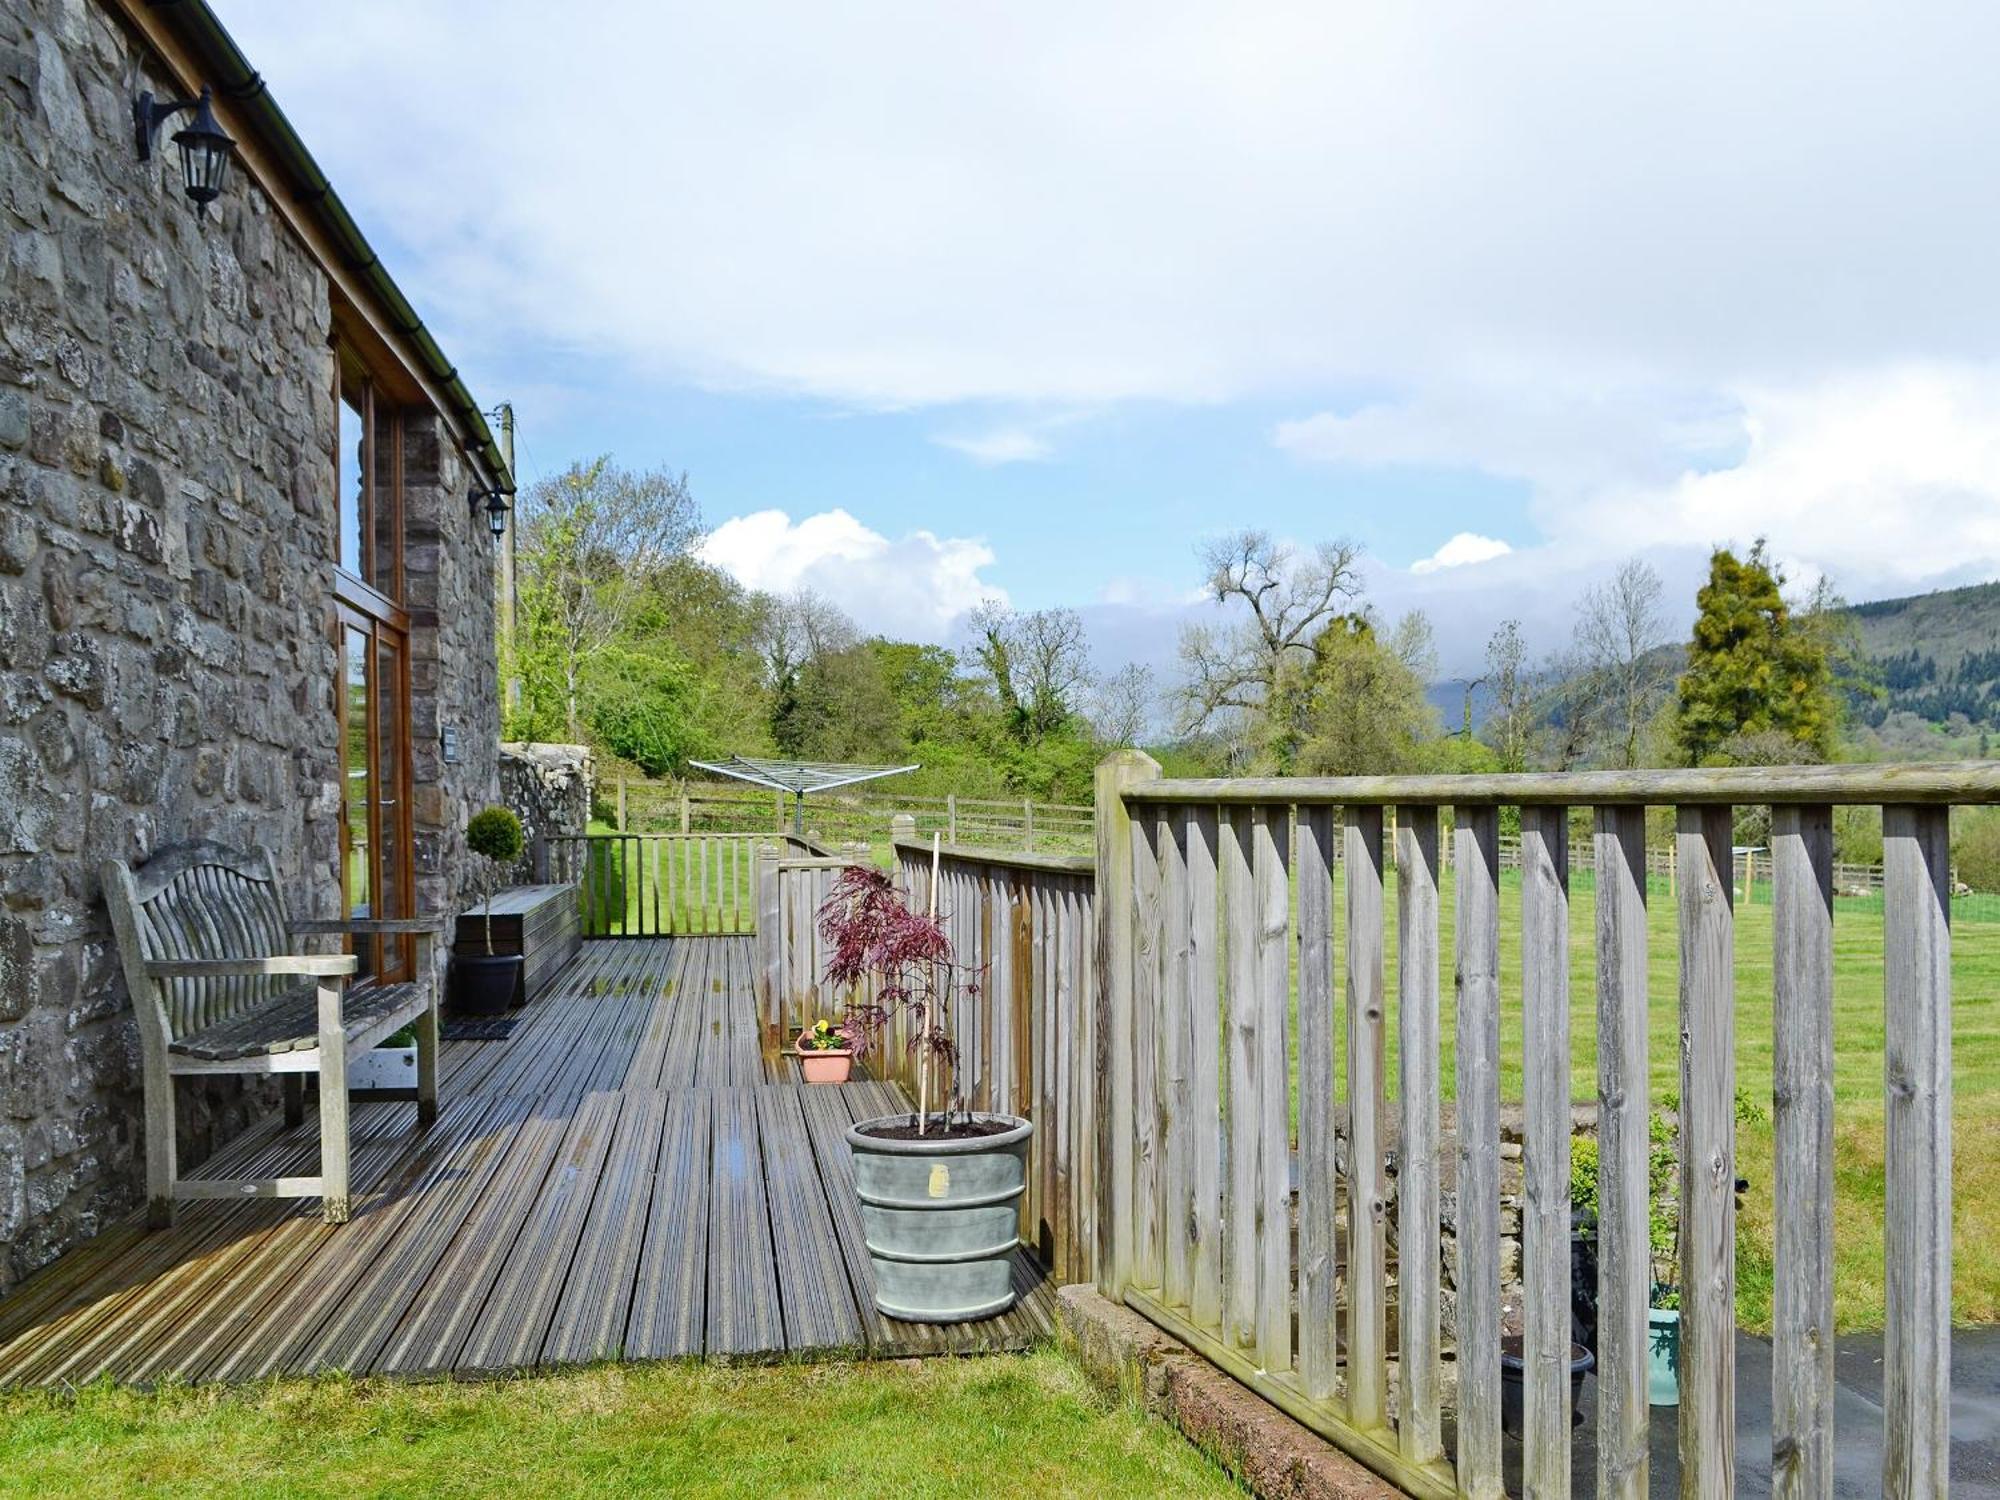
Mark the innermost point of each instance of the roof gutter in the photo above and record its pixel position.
(232, 77)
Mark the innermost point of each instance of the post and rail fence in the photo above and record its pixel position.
(856, 817)
(1144, 1007)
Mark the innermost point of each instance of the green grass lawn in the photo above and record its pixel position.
(1858, 1073)
(1004, 1425)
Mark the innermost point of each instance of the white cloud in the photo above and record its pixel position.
(1466, 548)
(1885, 480)
(1656, 266)
(892, 204)
(918, 586)
(1005, 445)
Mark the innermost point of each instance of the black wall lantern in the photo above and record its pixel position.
(205, 150)
(493, 503)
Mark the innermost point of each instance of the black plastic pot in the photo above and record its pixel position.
(1583, 1280)
(482, 985)
(1513, 1369)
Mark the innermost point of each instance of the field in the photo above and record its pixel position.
(1001, 1426)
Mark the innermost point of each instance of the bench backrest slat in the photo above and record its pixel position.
(200, 900)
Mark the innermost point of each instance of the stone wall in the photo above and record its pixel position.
(167, 668)
(548, 787)
(454, 667)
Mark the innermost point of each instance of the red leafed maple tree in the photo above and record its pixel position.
(873, 935)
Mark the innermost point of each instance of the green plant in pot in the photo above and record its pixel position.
(486, 983)
(940, 1187)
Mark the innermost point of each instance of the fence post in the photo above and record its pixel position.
(621, 804)
(686, 820)
(1113, 1005)
(1028, 822)
(951, 817)
(770, 948)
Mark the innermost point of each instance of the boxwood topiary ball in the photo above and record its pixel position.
(496, 833)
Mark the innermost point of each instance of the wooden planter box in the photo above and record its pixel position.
(542, 923)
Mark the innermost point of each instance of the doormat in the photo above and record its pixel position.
(479, 1028)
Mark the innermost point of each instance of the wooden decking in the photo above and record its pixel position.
(623, 1178)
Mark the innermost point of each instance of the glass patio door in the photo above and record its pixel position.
(375, 873)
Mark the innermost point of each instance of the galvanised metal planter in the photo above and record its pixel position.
(1663, 1356)
(941, 1218)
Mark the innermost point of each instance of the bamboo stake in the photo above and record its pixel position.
(925, 1062)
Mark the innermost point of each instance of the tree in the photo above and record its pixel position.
(838, 707)
(1510, 727)
(640, 709)
(1571, 711)
(1364, 710)
(1759, 680)
(1122, 705)
(795, 628)
(1280, 603)
(1619, 630)
(1038, 664)
(591, 539)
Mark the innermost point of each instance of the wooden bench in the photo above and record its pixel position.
(542, 923)
(218, 986)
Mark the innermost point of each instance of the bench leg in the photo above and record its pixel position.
(427, 1037)
(332, 1106)
(295, 1099)
(160, 1146)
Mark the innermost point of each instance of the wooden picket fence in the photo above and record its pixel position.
(1207, 890)
(1144, 1005)
(659, 884)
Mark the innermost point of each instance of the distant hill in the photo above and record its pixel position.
(1932, 657)
(1929, 685)
(1448, 698)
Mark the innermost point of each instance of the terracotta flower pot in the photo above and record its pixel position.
(824, 1064)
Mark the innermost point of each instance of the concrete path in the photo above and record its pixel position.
(1857, 1419)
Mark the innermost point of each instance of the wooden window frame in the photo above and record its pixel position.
(382, 512)
(369, 600)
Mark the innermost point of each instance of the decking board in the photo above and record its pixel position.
(816, 1296)
(670, 1292)
(596, 1299)
(623, 1177)
(743, 1302)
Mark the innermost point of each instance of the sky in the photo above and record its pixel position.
(941, 303)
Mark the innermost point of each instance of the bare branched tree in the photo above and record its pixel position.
(800, 627)
(1279, 602)
(1038, 663)
(592, 539)
(1619, 630)
(1511, 725)
(1122, 705)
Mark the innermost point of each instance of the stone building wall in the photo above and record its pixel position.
(167, 667)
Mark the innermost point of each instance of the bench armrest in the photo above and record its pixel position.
(323, 965)
(371, 926)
